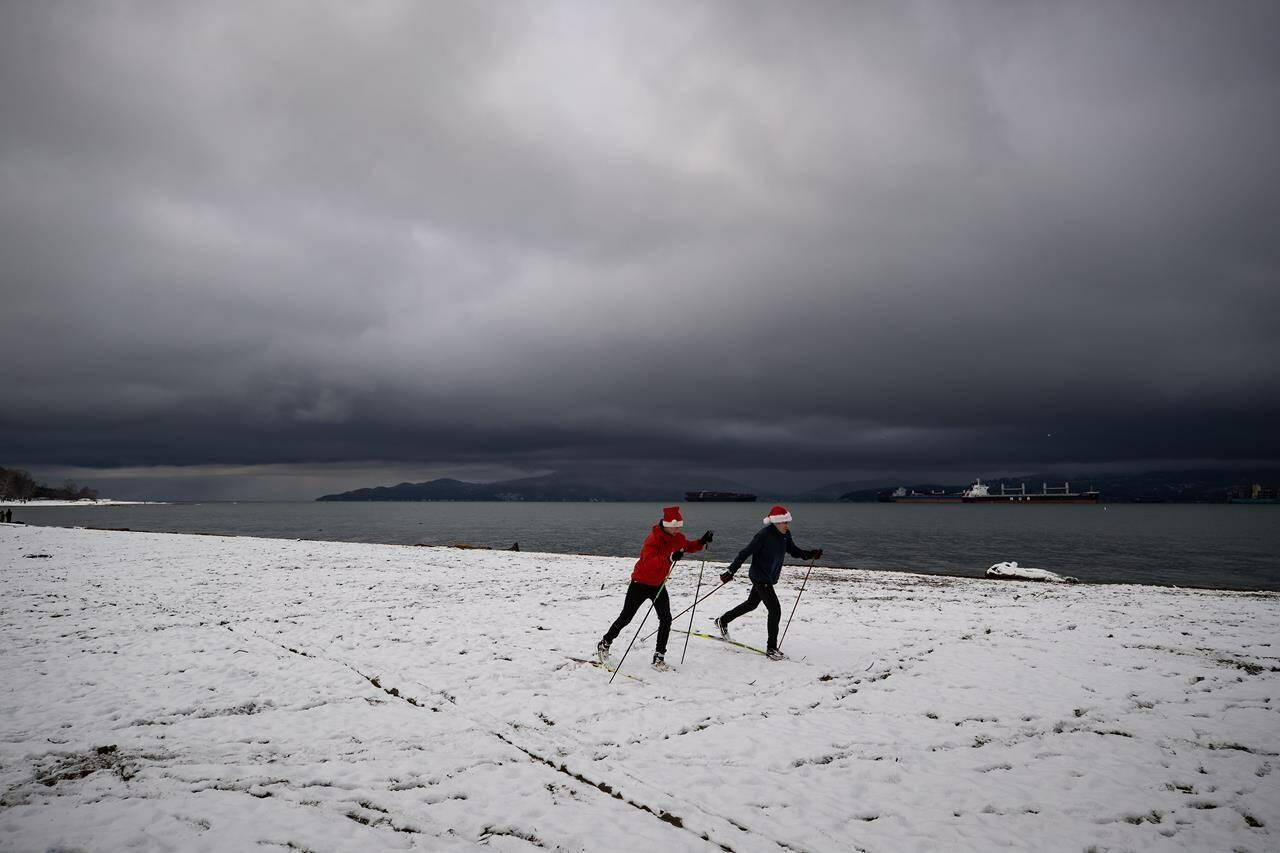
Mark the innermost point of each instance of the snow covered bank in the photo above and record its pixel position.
(212, 693)
(81, 502)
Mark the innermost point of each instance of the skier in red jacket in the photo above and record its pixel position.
(664, 546)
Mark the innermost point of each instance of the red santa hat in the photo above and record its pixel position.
(671, 517)
(777, 515)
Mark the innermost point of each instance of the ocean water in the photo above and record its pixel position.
(1215, 546)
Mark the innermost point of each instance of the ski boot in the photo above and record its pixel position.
(602, 651)
(658, 663)
(775, 654)
(722, 628)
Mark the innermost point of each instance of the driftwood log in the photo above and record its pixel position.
(1011, 571)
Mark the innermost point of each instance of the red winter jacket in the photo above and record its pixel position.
(655, 555)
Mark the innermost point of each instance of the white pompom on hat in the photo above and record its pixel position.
(777, 515)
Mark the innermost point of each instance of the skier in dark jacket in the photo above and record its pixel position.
(664, 546)
(766, 550)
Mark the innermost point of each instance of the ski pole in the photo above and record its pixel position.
(687, 609)
(693, 609)
(797, 604)
(652, 603)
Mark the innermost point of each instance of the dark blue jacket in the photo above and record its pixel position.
(766, 550)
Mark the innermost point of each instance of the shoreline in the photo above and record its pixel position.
(31, 504)
(491, 549)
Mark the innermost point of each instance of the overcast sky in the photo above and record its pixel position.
(786, 242)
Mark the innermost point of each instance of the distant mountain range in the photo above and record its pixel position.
(612, 485)
(834, 491)
(1200, 486)
(591, 486)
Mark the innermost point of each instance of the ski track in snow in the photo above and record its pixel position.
(215, 693)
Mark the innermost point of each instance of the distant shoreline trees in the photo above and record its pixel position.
(18, 485)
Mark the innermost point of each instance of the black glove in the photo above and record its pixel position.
(707, 537)
(677, 556)
(726, 577)
(815, 554)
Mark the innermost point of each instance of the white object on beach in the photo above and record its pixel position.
(1012, 571)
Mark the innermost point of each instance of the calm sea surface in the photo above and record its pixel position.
(1220, 546)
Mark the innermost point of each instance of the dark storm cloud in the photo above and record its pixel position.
(824, 237)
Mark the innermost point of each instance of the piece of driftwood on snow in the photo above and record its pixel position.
(1011, 571)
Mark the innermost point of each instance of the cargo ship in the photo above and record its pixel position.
(1255, 495)
(980, 493)
(902, 496)
(721, 497)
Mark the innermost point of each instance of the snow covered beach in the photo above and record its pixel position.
(40, 503)
(212, 693)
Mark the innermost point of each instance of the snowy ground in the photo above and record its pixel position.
(82, 502)
(164, 692)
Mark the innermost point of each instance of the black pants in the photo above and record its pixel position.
(638, 594)
(759, 592)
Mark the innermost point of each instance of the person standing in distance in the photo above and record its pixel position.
(767, 549)
(664, 546)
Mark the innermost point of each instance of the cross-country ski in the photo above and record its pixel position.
(599, 664)
(720, 639)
